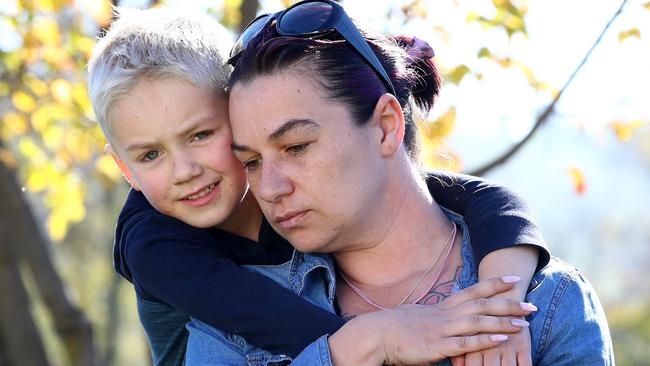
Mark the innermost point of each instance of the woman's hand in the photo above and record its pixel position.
(420, 334)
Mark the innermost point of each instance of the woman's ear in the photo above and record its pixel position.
(126, 173)
(389, 118)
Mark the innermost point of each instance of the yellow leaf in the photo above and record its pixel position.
(23, 101)
(41, 118)
(472, 16)
(61, 91)
(44, 5)
(13, 124)
(83, 44)
(632, 32)
(78, 145)
(57, 226)
(80, 96)
(457, 74)
(625, 130)
(441, 158)
(57, 57)
(38, 86)
(13, 60)
(577, 179)
(484, 52)
(515, 23)
(440, 128)
(40, 176)
(53, 137)
(646, 5)
(46, 30)
(100, 11)
(107, 167)
(31, 151)
(504, 62)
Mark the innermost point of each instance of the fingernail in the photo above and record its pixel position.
(498, 337)
(528, 306)
(510, 279)
(519, 323)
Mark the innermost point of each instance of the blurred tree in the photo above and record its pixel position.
(50, 142)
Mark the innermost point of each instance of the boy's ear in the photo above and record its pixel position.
(126, 173)
(390, 119)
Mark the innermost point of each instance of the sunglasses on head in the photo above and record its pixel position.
(312, 18)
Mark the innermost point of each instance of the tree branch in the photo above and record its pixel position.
(549, 109)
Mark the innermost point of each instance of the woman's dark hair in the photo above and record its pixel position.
(345, 75)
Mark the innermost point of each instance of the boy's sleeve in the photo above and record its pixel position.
(496, 217)
(181, 265)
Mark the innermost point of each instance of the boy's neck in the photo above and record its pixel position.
(245, 220)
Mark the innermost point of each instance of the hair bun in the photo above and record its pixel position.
(416, 48)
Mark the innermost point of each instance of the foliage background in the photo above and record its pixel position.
(581, 155)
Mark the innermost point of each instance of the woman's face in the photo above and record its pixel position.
(313, 171)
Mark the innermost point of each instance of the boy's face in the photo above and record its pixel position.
(172, 141)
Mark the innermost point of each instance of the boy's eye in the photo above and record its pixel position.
(296, 149)
(150, 155)
(201, 135)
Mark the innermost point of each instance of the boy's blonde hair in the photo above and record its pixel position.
(155, 44)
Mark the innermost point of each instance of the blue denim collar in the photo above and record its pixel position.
(468, 274)
(304, 266)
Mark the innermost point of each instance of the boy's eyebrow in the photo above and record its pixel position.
(140, 146)
(186, 130)
(289, 126)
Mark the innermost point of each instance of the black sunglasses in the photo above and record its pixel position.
(311, 18)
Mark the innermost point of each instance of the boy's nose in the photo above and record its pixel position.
(185, 169)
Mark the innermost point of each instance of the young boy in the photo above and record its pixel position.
(156, 81)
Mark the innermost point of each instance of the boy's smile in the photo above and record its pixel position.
(172, 141)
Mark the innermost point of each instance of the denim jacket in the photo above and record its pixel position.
(569, 327)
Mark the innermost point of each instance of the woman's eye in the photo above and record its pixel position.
(150, 155)
(201, 135)
(252, 164)
(296, 149)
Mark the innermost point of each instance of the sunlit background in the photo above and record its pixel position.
(585, 169)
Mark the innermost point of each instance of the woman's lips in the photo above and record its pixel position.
(290, 220)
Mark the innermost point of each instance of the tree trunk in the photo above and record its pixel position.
(248, 11)
(113, 320)
(20, 341)
(22, 234)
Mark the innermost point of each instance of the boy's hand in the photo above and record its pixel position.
(516, 351)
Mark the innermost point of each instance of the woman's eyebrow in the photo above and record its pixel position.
(292, 125)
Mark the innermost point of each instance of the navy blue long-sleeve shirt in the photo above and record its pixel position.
(178, 270)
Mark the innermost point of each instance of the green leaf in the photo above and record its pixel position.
(457, 74)
(484, 52)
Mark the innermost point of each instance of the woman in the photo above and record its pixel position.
(330, 152)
